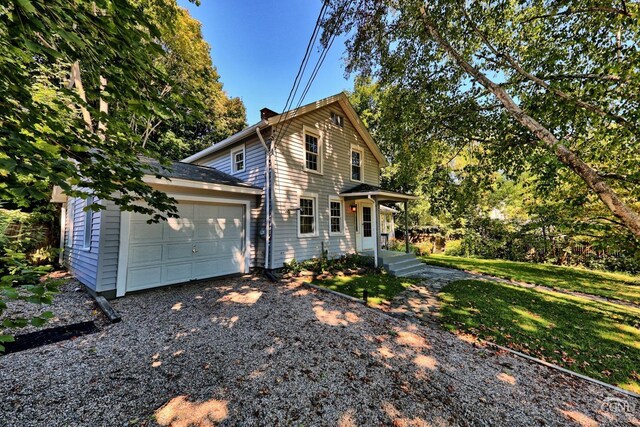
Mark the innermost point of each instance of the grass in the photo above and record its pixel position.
(611, 285)
(381, 287)
(601, 340)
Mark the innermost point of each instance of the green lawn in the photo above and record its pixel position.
(601, 340)
(612, 285)
(381, 287)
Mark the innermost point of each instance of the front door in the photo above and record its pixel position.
(365, 227)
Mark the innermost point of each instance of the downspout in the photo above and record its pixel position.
(267, 201)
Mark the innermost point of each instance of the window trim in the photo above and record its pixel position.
(340, 119)
(342, 216)
(316, 219)
(233, 160)
(306, 130)
(361, 151)
(71, 216)
(88, 225)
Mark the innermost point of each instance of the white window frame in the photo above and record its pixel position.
(335, 199)
(361, 151)
(88, 225)
(71, 216)
(233, 153)
(316, 219)
(316, 134)
(335, 117)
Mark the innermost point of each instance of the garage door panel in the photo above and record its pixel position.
(178, 252)
(176, 273)
(162, 254)
(145, 254)
(142, 232)
(205, 212)
(141, 278)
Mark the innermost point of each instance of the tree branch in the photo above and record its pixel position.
(520, 70)
(629, 217)
(570, 11)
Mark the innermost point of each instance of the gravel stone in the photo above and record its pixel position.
(245, 352)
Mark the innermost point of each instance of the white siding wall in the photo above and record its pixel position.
(109, 248)
(291, 180)
(253, 174)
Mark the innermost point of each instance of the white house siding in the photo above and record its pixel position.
(254, 161)
(291, 180)
(254, 175)
(83, 263)
(109, 248)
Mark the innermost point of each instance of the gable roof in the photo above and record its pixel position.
(341, 98)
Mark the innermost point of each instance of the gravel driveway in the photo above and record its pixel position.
(247, 352)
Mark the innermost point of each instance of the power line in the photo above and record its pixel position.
(314, 73)
(305, 61)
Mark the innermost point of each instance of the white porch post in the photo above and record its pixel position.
(406, 225)
(376, 227)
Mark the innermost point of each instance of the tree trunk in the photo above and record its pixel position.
(620, 210)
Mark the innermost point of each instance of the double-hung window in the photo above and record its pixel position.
(88, 223)
(307, 216)
(237, 160)
(336, 216)
(312, 152)
(356, 164)
(71, 216)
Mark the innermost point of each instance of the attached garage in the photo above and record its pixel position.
(207, 240)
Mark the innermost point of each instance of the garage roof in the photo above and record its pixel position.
(193, 172)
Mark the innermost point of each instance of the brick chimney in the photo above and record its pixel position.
(266, 113)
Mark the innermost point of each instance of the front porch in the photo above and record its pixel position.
(366, 204)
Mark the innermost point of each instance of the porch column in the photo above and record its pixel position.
(406, 225)
(376, 228)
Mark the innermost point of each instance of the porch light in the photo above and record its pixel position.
(354, 208)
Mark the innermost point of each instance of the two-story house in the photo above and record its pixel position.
(294, 185)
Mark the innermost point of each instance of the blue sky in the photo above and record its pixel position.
(257, 47)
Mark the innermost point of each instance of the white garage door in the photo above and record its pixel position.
(206, 241)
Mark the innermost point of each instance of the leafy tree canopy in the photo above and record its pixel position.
(546, 89)
(88, 86)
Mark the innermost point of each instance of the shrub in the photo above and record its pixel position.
(454, 248)
(326, 264)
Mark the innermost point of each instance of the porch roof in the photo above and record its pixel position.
(366, 190)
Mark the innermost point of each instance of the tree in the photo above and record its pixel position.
(534, 85)
(61, 64)
(208, 113)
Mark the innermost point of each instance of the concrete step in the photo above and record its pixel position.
(408, 271)
(403, 262)
(390, 259)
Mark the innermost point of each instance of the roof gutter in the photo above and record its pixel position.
(225, 142)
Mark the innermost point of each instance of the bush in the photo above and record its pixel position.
(326, 264)
(454, 248)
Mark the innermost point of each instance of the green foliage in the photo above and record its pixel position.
(325, 264)
(21, 280)
(593, 338)
(25, 233)
(605, 284)
(380, 287)
(452, 142)
(454, 248)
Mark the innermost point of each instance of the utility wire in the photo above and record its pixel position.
(314, 73)
(304, 63)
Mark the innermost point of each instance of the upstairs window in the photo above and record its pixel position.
(237, 160)
(356, 164)
(311, 153)
(337, 119)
